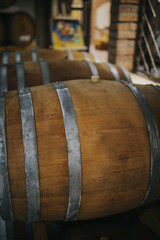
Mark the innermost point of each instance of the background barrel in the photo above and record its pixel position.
(6, 3)
(47, 54)
(57, 70)
(115, 150)
(19, 28)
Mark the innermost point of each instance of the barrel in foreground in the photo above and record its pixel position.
(89, 145)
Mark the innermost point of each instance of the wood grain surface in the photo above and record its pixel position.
(114, 148)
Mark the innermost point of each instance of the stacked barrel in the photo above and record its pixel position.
(78, 139)
(16, 29)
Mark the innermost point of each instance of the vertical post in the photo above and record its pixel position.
(43, 15)
(87, 21)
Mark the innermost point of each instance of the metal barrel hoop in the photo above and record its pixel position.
(74, 151)
(93, 68)
(45, 71)
(34, 54)
(17, 56)
(156, 87)
(6, 210)
(3, 78)
(70, 54)
(114, 71)
(30, 154)
(5, 58)
(86, 56)
(20, 75)
(153, 140)
(125, 72)
(96, 58)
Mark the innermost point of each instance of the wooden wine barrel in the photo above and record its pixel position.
(6, 3)
(19, 28)
(47, 54)
(32, 73)
(78, 150)
(2, 31)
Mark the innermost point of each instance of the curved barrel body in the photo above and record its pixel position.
(34, 73)
(88, 148)
(19, 28)
(47, 54)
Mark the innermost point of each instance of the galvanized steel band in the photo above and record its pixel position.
(20, 75)
(96, 58)
(6, 210)
(156, 86)
(70, 54)
(153, 139)
(93, 69)
(74, 152)
(113, 71)
(17, 56)
(34, 54)
(5, 58)
(30, 154)
(4, 78)
(86, 56)
(126, 73)
(45, 71)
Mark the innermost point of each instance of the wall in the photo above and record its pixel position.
(123, 32)
(98, 18)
